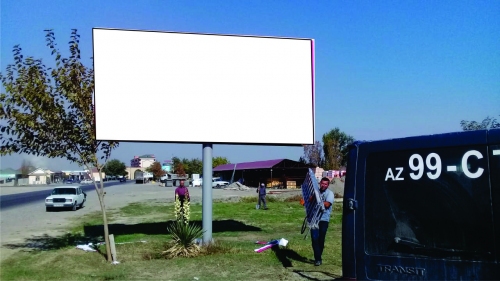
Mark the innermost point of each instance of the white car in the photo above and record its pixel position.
(86, 181)
(66, 197)
(217, 182)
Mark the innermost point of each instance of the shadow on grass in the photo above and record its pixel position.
(94, 234)
(286, 256)
(307, 275)
(159, 228)
(46, 242)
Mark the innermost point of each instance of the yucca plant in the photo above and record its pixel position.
(183, 233)
(183, 242)
(178, 210)
(182, 212)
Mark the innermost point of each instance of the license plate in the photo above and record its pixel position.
(58, 205)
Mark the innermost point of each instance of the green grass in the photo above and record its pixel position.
(236, 227)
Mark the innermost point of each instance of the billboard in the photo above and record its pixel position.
(259, 90)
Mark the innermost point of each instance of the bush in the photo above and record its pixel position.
(183, 233)
(183, 240)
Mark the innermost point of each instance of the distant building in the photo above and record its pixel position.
(167, 166)
(335, 173)
(9, 176)
(40, 176)
(143, 161)
(94, 174)
(138, 165)
(75, 175)
(9, 173)
(318, 173)
(276, 173)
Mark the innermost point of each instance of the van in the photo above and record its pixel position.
(423, 208)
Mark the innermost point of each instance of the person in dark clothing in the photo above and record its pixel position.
(262, 195)
(182, 192)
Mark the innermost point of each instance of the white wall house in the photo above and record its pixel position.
(39, 176)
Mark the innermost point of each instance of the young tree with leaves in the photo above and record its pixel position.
(335, 148)
(49, 112)
(487, 123)
(195, 166)
(115, 168)
(156, 169)
(179, 169)
(186, 164)
(175, 162)
(217, 161)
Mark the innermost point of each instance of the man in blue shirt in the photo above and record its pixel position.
(318, 235)
(262, 195)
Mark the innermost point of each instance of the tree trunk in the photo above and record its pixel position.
(100, 195)
(105, 224)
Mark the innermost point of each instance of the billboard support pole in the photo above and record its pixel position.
(207, 193)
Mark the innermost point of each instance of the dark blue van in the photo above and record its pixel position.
(423, 208)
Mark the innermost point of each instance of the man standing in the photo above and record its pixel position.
(262, 195)
(318, 235)
(182, 192)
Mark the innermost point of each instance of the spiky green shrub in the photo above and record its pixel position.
(183, 242)
(183, 233)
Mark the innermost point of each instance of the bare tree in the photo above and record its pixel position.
(26, 168)
(313, 154)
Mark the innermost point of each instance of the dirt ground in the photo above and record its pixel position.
(19, 224)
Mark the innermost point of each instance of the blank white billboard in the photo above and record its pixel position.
(155, 86)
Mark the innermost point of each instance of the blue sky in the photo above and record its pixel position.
(384, 69)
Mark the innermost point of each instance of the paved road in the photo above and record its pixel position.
(18, 199)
